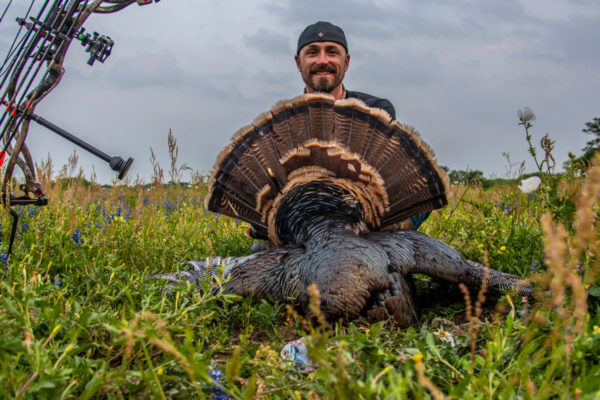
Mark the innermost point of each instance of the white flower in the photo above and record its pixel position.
(526, 115)
(445, 336)
(530, 184)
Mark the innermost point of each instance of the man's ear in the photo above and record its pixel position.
(297, 58)
(347, 62)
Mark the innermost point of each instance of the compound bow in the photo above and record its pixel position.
(45, 39)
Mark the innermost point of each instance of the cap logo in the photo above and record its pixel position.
(320, 34)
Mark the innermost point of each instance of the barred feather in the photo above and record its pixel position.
(384, 164)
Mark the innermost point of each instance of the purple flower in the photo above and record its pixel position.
(4, 258)
(24, 227)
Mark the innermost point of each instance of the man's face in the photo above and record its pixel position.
(322, 65)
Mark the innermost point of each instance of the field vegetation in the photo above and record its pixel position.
(80, 318)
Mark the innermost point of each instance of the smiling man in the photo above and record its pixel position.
(322, 58)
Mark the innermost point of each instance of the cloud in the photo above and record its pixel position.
(270, 42)
(575, 41)
(143, 69)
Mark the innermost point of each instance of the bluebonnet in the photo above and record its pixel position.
(77, 236)
(31, 212)
(24, 227)
(533, 266)
(4, 258)
(219, 394)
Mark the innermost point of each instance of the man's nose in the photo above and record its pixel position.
(322, 59)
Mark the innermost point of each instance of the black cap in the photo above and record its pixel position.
(322, 32)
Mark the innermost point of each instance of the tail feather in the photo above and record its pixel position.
(384, 164)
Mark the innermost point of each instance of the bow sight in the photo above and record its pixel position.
(98, 46)
(39, 48)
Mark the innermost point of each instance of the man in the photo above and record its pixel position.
(322, 58)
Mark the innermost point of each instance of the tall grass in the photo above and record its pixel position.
(80, 319)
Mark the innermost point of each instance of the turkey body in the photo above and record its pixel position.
(329, 183)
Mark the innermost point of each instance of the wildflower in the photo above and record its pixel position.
(596, 330)
(4, 258)
(56, 329)
(532, 268)
(159, 372)
(530, 185)
(526, 115)
(57, 281)
(502, 248)
(31, 212)
(445, 336)
(524, 299)
(418, 358)
(220, 394)
(24, 227)
(480, 245)
(77, 236)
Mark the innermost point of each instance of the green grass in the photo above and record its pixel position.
(79, 317)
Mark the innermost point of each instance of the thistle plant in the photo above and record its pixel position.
(525, 116)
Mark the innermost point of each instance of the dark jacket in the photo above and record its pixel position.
(373, 101)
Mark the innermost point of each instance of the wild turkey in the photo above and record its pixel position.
(329, 183)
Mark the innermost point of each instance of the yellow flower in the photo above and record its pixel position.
(418, 358)
(480, 245)
(596, 330)
(502, 248)
(160, 371)
(56, 328)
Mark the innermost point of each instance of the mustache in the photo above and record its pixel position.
(323, 69)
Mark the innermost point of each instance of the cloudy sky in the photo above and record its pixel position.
(457, 71)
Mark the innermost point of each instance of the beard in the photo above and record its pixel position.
(324, 84)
